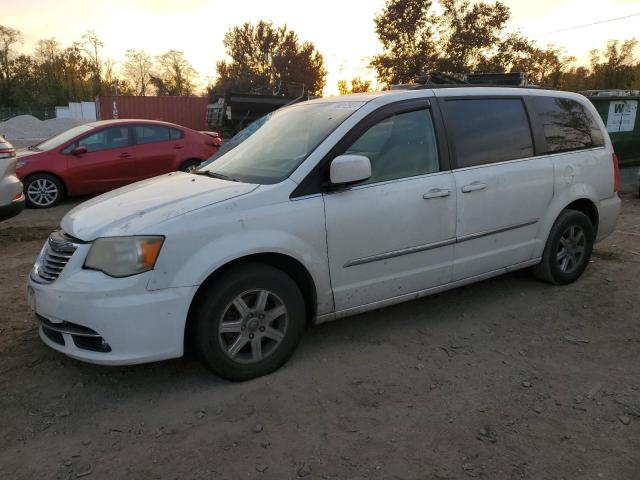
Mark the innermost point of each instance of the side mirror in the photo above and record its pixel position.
(79, 150)
(349, 169)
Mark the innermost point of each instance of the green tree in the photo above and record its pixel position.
(470, 34)
(406, 30)
(461, 37)
(266, 59)
(358, 85)
(615, 67)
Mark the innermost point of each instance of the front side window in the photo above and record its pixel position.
(114, 137)
(401, 146)
(151, 134)
(489, 130)
(567, 125)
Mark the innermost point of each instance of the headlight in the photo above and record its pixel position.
(21, 163)
(124, 256)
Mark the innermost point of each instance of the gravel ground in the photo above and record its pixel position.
(504, 379)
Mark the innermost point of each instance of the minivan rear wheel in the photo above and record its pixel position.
(43, 190)
(568, 249)
(248, 322)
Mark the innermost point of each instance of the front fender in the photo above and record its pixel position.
(294, 228)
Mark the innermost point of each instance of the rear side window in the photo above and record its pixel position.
(175, 134)
(400, 146)
(151, 134)
(567, 125)
(487, 131)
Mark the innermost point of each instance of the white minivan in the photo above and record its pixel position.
(332, 207)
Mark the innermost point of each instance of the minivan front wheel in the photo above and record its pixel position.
(248, 322)
(568, 249)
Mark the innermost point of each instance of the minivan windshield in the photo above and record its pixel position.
(55, 142)
(282, 143)
(239, 137)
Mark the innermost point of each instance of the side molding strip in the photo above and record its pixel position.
(431, 246)
(473, 236)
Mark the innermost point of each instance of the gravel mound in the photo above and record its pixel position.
(29, 127)
(59, 125)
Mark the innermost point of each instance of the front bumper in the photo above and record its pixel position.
(12, 209)
(87, 310)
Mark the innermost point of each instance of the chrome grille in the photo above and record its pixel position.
(53, 258)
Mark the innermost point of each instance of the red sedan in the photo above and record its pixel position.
(100, 156)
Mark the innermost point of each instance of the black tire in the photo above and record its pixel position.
(556, 266)
(46, 198)
(190, 165)
(216, 307)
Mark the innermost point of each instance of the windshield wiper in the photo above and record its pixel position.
(211, 174)
(33, 148)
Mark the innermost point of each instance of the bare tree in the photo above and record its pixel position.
(177, 74)
(137, 70)
(8, 38)
(93, 44)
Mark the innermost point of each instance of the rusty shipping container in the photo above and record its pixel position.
(189, 112)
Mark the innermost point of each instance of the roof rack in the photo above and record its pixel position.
(516, 79)
(614, 92)
(437, 79)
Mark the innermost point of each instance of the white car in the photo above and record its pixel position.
(333, 207)
(12, 200)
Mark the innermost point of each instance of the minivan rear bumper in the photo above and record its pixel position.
(608, 211)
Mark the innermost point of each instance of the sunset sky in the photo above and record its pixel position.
(341, 30)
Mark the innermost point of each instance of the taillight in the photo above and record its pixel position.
(616, 173)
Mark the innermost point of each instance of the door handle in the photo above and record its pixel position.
(178, 146)
(436, 193)
(473, 187)
(125, 155)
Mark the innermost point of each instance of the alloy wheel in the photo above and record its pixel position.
(571, 248)
(42, 192)
(253, 325)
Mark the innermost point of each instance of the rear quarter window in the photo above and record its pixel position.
(176, 134)
(488, 130)
(151, 134)
(567, 125)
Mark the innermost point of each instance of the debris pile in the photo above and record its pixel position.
(27, 127)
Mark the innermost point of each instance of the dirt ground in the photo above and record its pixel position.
(504, 379)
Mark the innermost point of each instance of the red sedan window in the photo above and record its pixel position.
(114, 137)
(151, 134)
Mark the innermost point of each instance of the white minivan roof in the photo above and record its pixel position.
(448, 91)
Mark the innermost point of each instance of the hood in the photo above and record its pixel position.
(131, 209)
(24, 153)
